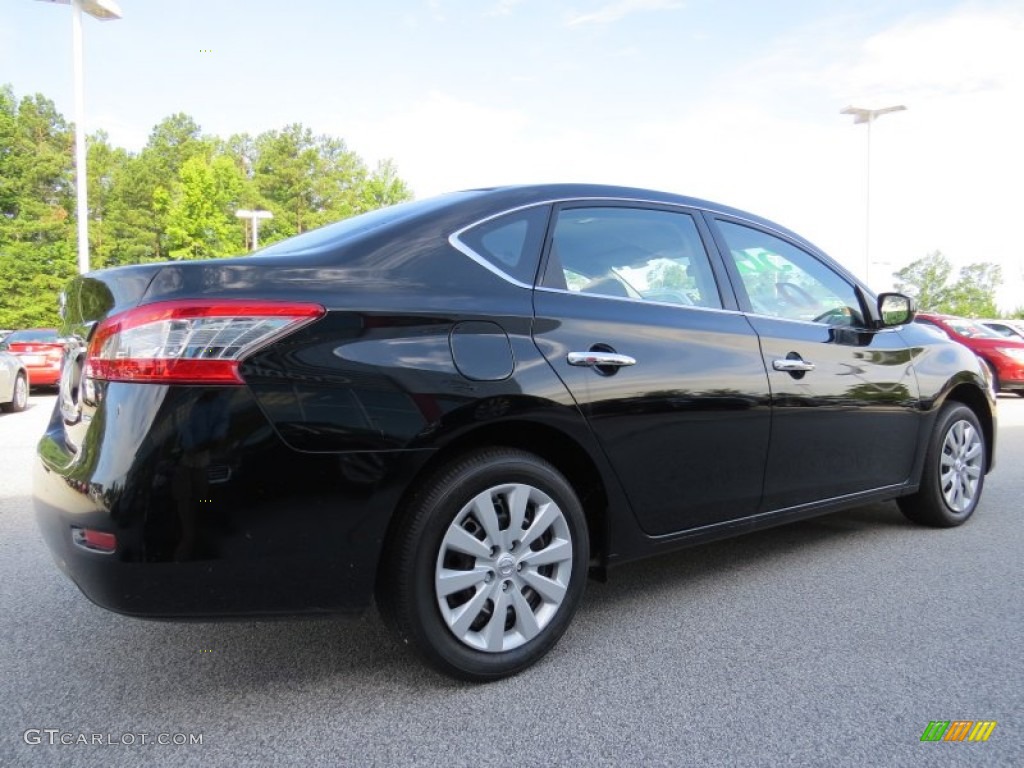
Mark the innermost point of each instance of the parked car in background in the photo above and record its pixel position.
(1010, 329)
(5, 332)
(13, 383)
(40, 351)
(1003, 356)
(464, 405)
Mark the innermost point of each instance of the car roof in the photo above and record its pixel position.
(527, 194)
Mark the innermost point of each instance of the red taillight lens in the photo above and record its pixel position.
(197, 342)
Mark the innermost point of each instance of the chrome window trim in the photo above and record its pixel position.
(863, 329)
(454, 239)
(641, 301)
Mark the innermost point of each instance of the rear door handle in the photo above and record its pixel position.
(597, 359)
(790, 365)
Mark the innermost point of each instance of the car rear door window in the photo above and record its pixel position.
(782, 280)
(510, 244)
(631, 253)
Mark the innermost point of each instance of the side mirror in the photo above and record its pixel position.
(895, 309)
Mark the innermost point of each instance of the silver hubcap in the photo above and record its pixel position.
(504, 567)
(20, 392)
(960, 465)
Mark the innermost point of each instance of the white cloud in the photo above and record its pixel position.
(503, 8)
(616, 11)
(964, 52)
(441, 143)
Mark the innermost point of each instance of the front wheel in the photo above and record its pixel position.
(488, 565)
(954, 471)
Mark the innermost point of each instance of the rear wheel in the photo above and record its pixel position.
(485, 572)
(954, 471)
(20, 397)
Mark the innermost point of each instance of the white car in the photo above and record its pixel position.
(13, 383)
(1011, 329)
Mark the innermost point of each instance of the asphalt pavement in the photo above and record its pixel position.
(832, 642)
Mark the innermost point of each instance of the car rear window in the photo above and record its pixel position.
(38, 335)
(332, 235)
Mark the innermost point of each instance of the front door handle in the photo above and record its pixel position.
(791, 365)
(598, 359)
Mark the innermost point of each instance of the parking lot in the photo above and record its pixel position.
(828, 642)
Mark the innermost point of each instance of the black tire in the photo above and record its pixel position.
(957, 445)
(19, 397)
(450, 632)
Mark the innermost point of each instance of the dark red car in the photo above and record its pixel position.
(1004, 357)
(40, 351)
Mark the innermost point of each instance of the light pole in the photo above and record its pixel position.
(254, 217)
(868, 116)
(104, 10)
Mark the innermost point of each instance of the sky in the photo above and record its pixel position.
(736, 101)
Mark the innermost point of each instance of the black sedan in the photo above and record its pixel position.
(465, 405)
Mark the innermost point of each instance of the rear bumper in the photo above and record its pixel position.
(43, 375)
(246, 527)
(1009, 372)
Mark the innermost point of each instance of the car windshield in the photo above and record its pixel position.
(40, 335)
(971, 329)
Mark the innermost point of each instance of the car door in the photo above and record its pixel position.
(7, 370)
(844, 395)
(669, 376)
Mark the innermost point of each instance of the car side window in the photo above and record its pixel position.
(510, 243)
(631, 253)
(782, 280)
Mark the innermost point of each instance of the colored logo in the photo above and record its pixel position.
(958, 730)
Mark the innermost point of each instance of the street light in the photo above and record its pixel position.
(254, 217)
(104, 10)
(868, 116)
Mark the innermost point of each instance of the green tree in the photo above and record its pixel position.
(926, 280)
(383, 188)
(307, 180)
(36, 200)
(176, 198)
(106, 167)
(200, 218)
(972, 294)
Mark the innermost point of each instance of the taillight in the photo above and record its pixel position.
(189, 342)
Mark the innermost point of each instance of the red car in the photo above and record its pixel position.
(40, 351)
(1004, 357)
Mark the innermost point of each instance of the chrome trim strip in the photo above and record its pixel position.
(456, 243)
(465, 250)
(644, 302)
(598, 359)
(810, 508)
